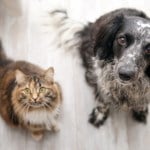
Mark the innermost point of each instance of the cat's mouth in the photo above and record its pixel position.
(36, 104)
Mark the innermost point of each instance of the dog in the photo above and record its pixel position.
(115, 51)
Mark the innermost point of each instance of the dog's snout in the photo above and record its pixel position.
(126, 73)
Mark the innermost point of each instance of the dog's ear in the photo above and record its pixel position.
(104, 32)
(97, 38)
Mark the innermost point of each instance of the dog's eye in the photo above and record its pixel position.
(122, 41)
(147, 50)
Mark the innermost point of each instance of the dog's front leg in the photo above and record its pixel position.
(140, 114)
(99, 115)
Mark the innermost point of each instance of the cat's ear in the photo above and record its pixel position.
(49, 73)
(20, 76)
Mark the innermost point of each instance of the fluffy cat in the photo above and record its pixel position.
(30, 98)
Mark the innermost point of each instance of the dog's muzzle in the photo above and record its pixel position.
(127, 73)
(128, 67)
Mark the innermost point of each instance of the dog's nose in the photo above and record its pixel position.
(126, 73)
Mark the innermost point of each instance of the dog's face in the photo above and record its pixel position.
(131, 49)
(125, 40)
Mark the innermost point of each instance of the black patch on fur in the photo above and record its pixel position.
(105, 37)
(140, 116)
(93, 117)
(4, 63)
(147, 71)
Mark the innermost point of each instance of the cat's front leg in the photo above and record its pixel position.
(37, 135)
(99, 115)
(37, 131)
(54, 126)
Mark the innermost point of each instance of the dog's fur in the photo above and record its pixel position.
(116, 54)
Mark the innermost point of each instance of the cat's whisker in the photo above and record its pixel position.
(25, 105)
(27, 109)
(47, 105)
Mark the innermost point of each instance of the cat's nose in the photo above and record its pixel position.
(34, 96)
(34, 99)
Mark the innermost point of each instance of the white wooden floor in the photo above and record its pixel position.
(21, 30)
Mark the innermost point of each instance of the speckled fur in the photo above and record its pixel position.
(101, 63)
(96, 44)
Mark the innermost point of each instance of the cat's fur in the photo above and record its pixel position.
(29, 96)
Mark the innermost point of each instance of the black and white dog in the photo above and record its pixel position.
(116, 55)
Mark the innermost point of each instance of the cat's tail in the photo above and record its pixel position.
(2, 53)
(65, 29)
(3, 58)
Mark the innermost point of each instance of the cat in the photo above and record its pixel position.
(29, 96)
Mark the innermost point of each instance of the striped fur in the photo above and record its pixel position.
(30, 98)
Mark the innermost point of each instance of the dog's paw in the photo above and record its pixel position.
(98, 116)
(140, 116)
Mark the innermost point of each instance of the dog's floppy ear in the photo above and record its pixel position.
(98, 37)
(104, 32)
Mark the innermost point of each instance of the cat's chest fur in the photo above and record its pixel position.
(41, 117)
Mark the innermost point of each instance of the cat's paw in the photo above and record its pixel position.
(37, 136)
(98, 116)
(140, 116)
(54, 127)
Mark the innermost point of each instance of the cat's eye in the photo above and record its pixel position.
(42, 90)
(122, 40)
(27, 91)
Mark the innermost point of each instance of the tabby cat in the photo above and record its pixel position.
(29, 96)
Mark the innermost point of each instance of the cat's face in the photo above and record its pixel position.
(36, 92)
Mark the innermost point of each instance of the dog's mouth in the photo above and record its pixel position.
(120, 81)
(124, 82)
